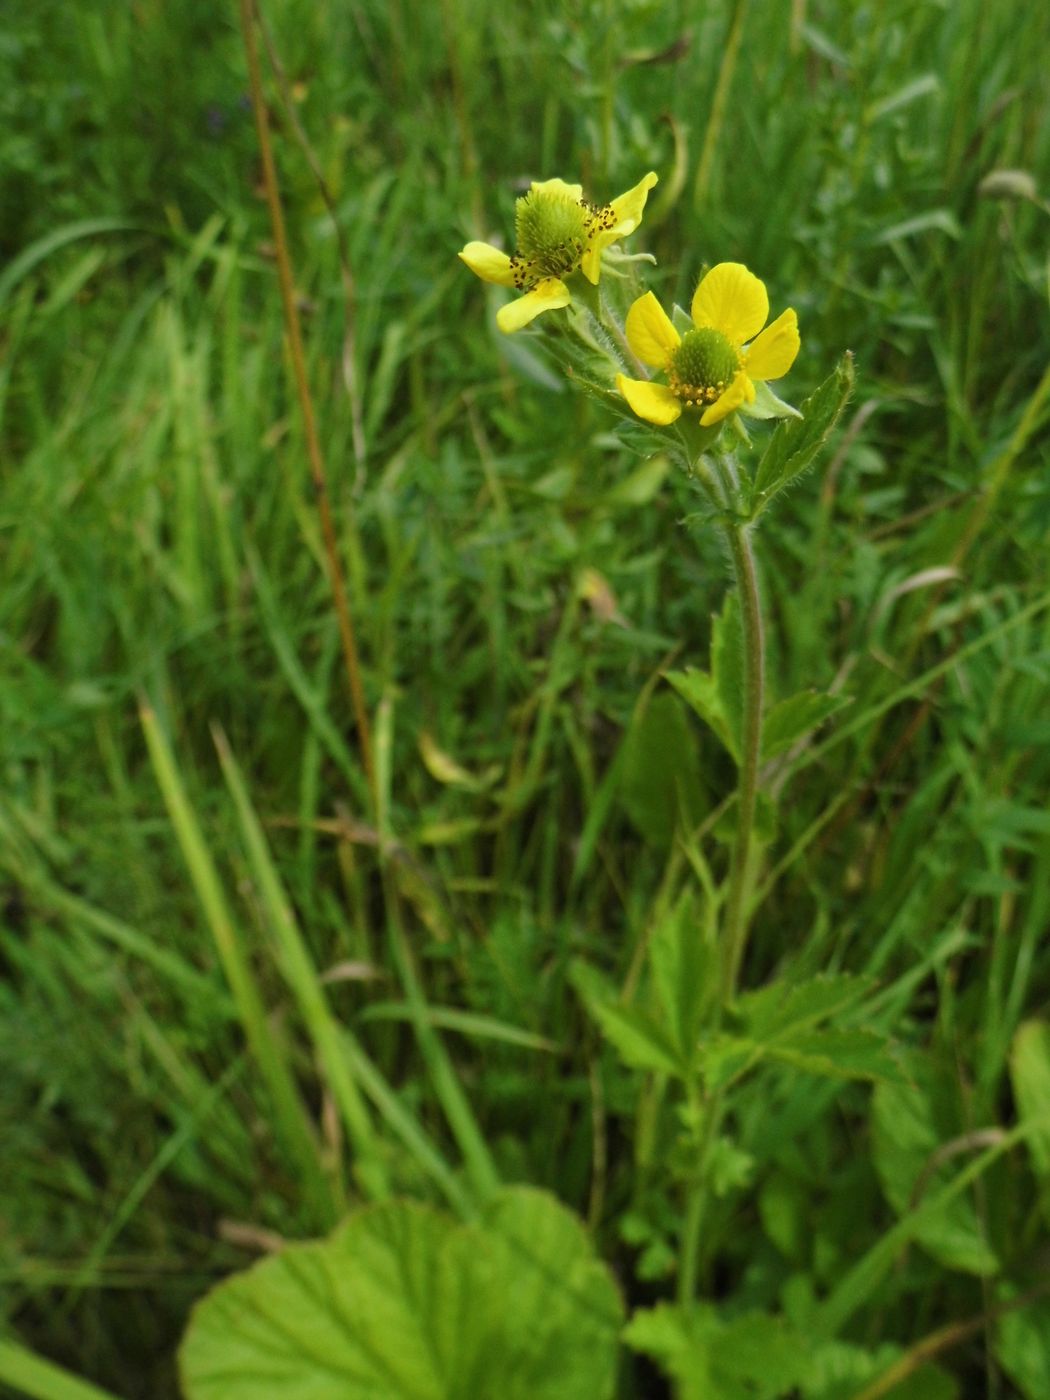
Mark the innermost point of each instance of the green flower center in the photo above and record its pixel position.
(552, 235)
(702, 367)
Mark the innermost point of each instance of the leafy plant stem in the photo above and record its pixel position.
(696, 1203)
(735, 922)
(293, 331)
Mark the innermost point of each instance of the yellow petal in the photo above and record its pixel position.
(628, 207)
(740, 390)
(490, 264)
(653, 402)
(731, 300)
(649, 331)
(627, 215)
(558, 187)
(547, 295)
(591, 262)
(773, 353)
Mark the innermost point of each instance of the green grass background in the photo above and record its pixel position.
(158, 539)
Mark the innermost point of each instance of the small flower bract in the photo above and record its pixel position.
(710, 370)
(557, 232)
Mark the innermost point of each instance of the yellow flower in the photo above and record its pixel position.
(557, 231)
(709, 368)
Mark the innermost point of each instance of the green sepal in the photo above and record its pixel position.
(681, 320)
(767, 405)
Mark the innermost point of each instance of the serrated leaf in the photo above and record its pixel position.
(831, 1054)
(839, 1054)
(796, 442)
(909, 1123)
(405, 1303)
(783, 1023)
(754, 1356)
(636, 1037)
(698, 690)
(784, 1007)
(790, 719)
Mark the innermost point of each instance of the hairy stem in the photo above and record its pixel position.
(735, 922)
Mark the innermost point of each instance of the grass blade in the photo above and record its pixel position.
(304, 981)
(292, 1125)
(43, 1380)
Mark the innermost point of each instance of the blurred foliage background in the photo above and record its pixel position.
(520, 580)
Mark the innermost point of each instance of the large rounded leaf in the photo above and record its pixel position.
(403, 1302)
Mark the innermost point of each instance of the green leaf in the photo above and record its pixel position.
(839, 1054)
(840, 1370)
(718, 698)
(660, 783)
(1023, 1348)
(1030, 1077)
(684, 972)
(404, 1303)
(832, 1054)
(783, 1007)
(790, 719)
(910, 1122)
(33, 1375)
(698, 689)
(751, 1357)
(727, 666)
(639, 1041)
(640, 486)
(783, 1023)
(796, 442)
